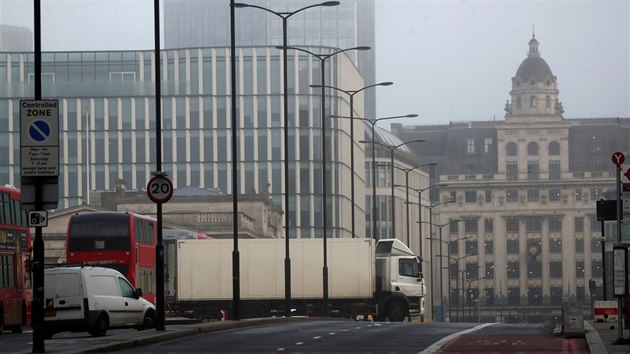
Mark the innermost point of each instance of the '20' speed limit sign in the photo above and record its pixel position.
(160, 189)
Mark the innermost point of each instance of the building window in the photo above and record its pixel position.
(554, 195)
(555, 295)
(547, 102)
(554, 170)
(513, 296)
(579, 224)
(532, 148)
(596, 245)
(555, 269)
(532, 170)
(596, 142)
(579, 245)
(511, 149)
(453, 228)
(555, 224)
(454, 246)
(512, 246)
(511, 171)
(533, 224)
(470, 146)
(596, 269)
(513, 270)
(489, 247)
(488, 196)
(470, 226)
(533, 195)
(489, 273)
(579, 269)
(471, 247)
(511, 195)
(578, 194)
(511, 225)
(488, 225)
(532, 101)
(555, 246)
(535, 295)
(487, 142)
(596, 193)
(534, 269)
(554, 148)
(470, 196)
(472, 271)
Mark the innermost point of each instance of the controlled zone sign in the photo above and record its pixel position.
(160, 189)
(39, 138)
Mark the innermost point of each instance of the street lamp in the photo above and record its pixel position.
(372, 123)
(351, 94)
(457, 259)
(420, 190)
(449, 254)
(285, 16)
(430, 207)
(322, 58)
(406, 171)
(392, 149)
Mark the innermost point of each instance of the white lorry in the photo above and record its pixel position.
(381, 279)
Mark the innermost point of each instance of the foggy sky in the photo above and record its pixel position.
(449, 60)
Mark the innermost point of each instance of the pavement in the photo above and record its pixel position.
(598, 338)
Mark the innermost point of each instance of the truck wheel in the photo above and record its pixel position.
(256, 310)
(396, 311)
(100, 328)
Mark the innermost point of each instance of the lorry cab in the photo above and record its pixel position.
(399, 279)
(92, 299)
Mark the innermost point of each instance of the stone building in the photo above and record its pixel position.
(524, 189)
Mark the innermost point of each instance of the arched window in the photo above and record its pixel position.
(532, 149)
(511, 149)
(554, 148)
(547, 101)
(532, 101)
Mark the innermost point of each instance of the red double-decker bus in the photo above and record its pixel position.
(16, 294)
(123, 241)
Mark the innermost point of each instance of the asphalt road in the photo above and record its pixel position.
(314, 336)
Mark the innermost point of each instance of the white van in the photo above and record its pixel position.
(92, 299)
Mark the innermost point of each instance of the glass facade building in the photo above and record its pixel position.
(107, 125)
(193, 23)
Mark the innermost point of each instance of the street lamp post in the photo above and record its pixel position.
(392, 149)
(430, 207)
(372, 123)
(440, 255)
(322, 59)
(351, 94)
(457, 259)
(285, 16)
(406, 171)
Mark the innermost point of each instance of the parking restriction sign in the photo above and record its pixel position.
(39, 138)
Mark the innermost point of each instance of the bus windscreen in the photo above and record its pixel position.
(96, 234)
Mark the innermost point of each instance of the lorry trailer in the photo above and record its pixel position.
(382, 279)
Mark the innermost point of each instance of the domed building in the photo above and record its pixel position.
(522, 233)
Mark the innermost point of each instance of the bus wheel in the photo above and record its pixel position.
(1, 319)
(18, 327)
(100, 328)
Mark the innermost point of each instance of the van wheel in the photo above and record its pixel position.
(148, 322)
(396, 311)
(100, 328)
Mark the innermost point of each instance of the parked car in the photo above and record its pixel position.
(92, 299)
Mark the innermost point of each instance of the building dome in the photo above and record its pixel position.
(534, 69)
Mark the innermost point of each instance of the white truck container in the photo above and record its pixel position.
(382, 280)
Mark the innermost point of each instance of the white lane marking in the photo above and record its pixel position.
(437, 345)
(332, 333)
(317, 337)
(280, 349)
(299, 343)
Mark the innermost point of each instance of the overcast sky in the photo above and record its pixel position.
(450, 60)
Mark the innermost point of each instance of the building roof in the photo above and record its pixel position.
(534, 67)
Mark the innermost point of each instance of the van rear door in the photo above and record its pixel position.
(63, 295)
